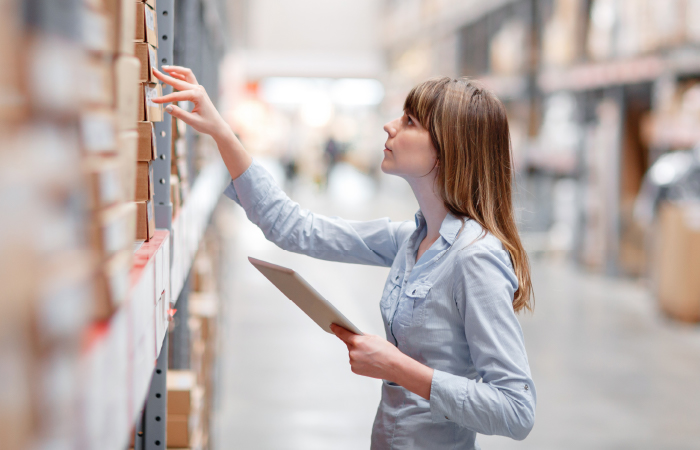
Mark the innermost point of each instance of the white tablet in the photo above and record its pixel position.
(304, 296)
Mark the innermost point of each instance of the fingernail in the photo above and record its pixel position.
(169, 108)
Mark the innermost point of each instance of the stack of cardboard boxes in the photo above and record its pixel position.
(179, 177)
(66, 230)
(146, 51)
(185, 406)
(109, 141)
(189, 421)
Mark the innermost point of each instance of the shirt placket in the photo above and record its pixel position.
(402, 307)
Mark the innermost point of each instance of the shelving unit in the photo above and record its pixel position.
(592, 103)
(86, 311)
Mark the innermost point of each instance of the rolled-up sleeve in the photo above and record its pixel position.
(298, 230)
(504, 402)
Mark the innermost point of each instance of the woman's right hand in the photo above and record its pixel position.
(204, 116)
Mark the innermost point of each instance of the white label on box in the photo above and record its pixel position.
(64, 309)
(115, 235)
(119, 285)
(95, 34)
(151, 93)
(150, 19)
(98, 133)
(152, 57)
(153, 138)
(55, 60)
(110, 183)
(159, 272)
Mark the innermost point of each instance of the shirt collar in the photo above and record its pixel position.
(448, 229)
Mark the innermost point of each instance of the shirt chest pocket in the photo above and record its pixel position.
(390, 296)
(416, 303)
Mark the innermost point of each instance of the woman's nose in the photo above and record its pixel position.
(390, 129)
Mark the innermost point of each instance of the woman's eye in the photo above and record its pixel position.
(409, 120)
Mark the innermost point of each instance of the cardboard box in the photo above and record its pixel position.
(57, 60)
(144, 181)
(149, 111)
(61, 308)
(12, 101)
(175, 194)
(98, 82)
(112, 285)
(127, 142)
(97, 32)
(146, 25)
(104, 180)
(113, 229)
(179, 149)
(181, 385)
(95, 5)
(151, 3)
(677, 259)
(97, 132)
(146, 142)
(145, 221)
(148, 57)
(127, 92)
(179, 431)
(181, 165)
(122, 14)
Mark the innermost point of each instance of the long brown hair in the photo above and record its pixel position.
(469, 129)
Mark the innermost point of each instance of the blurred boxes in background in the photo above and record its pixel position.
(185, 402)
(121, 14)
(179, 180)
(126, 73)
(677, 260)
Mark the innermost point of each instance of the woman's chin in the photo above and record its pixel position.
(386, 167)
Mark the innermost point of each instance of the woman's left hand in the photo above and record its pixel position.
(370, 355)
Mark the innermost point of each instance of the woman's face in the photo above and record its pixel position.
(409, 151)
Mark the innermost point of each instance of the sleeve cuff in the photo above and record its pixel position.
(251, 187)
(445, 396)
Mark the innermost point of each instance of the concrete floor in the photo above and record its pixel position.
(611, 372)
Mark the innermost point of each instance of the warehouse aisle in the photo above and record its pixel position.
(610, 371)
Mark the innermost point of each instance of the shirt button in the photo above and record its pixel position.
(397, 277)
(447, 418)
(527, 388)
(414, 291)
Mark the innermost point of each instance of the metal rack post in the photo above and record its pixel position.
(165, 12)
(151, 432)
(155, 413)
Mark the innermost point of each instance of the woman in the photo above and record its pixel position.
(454, 362)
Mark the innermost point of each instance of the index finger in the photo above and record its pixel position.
(174, 82)
(182, 71)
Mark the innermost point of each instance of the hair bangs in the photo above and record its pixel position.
(422, 100)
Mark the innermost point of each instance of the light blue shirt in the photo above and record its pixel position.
(452, 310)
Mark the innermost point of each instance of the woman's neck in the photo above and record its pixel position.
(431, 205)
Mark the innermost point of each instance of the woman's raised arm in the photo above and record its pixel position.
(282, 220)
(204, 116)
